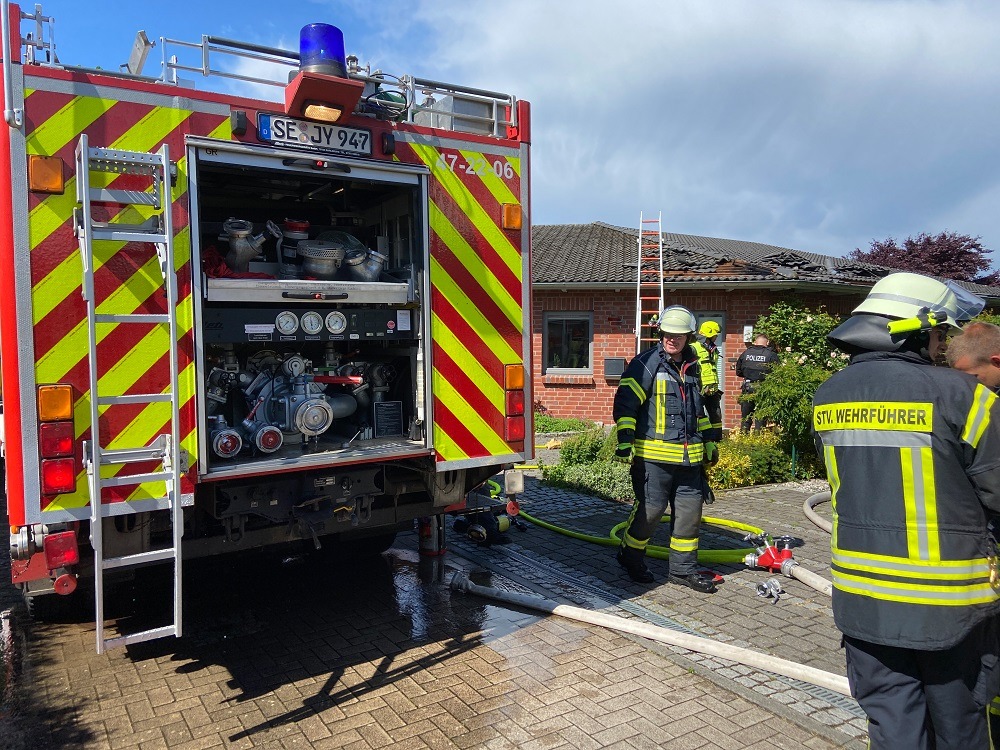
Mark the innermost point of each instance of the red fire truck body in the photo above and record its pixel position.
(226, 325)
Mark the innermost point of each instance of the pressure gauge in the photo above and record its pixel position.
(287, 323)
(336, 322)
(312, 323)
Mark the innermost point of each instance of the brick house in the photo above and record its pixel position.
(584, 295)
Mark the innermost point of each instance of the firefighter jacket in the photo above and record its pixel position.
(708, 358)
(658, 408)
(912, 454)
(752, 365)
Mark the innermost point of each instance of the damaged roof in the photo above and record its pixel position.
(600, 254)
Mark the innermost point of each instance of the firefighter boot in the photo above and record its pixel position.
(631, 560)
(694, 581)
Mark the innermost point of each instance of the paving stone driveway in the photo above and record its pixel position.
(309, 652)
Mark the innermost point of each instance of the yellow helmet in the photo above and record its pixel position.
(676, 319)
(709, 329)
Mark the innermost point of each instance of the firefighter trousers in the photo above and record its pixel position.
(927, 700)
(713, 407)
(659, 486)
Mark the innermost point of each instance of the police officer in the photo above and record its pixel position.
(912, 454)
(752, 365)
(663, 428)
(708, 358)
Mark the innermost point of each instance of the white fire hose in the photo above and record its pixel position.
(811, 502)
(773, 664)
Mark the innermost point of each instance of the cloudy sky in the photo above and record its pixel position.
(813, 124)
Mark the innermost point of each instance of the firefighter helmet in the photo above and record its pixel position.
(676, 319)
(918, 302)
(709, 329)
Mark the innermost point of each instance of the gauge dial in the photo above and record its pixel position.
(312, 323)
(336, 322)
(287, 323)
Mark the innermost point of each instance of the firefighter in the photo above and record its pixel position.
(752, 365)
(708, 358)
(663, 429)
(912, 454)
(977, 351)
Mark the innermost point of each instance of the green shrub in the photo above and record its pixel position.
(746, 459)
(784, 398)
(799, 333)
(545, 423)
(606, 479)
(583, 448)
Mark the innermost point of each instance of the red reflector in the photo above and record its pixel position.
(515, 403)
(61, 550)
(513, 429)
(55, 439)
(58, 476)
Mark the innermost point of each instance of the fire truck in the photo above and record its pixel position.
(294, 314)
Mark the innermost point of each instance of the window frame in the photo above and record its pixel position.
(568, 315)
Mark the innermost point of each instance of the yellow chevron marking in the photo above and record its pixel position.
(515, 162)
(72, 119)
(61, 358)
(472, 315)
(474, 264)
(446, 448)
(493, 182)
(487, 225)
(468, 362)
(467, 415)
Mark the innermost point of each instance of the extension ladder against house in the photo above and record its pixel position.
(649, 281)
(95, 168)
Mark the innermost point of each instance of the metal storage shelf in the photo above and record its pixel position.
(291, 291)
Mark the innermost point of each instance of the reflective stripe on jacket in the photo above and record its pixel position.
(658, 409)
(912, 455)
(708, 359)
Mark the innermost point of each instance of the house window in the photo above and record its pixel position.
(568, 342)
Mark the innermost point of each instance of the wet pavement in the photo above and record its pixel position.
(309, 651)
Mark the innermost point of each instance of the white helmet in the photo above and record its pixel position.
(919, 302)
(676, 319)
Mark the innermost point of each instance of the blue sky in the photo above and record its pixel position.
(813, 124)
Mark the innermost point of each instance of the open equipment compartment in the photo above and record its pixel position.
(320, 364)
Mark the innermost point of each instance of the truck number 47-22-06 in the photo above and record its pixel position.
(476, 165)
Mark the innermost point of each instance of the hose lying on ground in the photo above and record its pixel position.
(811, 502)
(773, 664)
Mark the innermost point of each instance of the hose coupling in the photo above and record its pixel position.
(459, 582)
(787, 565)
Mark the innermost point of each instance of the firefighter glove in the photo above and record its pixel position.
(711, 454)
(709, 390)
(623, 452)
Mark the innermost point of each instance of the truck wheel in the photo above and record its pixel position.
(52, 607)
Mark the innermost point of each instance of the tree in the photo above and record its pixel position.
(948, 254)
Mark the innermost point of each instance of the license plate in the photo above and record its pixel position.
(288, 131)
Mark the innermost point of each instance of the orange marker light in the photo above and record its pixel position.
(513, 377)
(45, 174)
(511, 216)
(55, 402)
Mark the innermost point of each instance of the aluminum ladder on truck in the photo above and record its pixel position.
(649, 281)
(157, 234)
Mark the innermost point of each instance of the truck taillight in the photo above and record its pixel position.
(514, 403)
(58, 476)
(513, 383)
(513, 429)
(61, 550)
(55, 439)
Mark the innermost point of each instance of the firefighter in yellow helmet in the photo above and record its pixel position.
(708, 359)
(912, 453)
(662, 427)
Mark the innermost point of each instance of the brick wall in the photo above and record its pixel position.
(590, 396)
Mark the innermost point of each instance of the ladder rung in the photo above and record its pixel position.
(126, 479)
(131, 455)
(140, 637)
(124, 197)
(132, 318)
(110, 159)
(138, 398)
(139, 558)
(127, 235)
